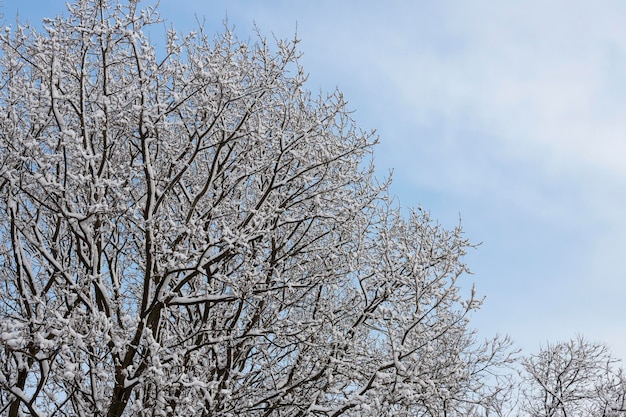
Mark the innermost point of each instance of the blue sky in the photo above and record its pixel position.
(510, 115)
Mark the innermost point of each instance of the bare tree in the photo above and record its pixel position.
(573, 378)
(188, 231)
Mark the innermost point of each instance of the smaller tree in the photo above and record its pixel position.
(573, 378)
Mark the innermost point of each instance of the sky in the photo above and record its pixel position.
(510, 116)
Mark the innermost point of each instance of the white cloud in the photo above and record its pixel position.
(537, 81)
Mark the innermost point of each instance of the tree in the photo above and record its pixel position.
(573, 378)
(188, 231)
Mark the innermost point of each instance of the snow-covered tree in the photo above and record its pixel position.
(186, 230)
(573, 378)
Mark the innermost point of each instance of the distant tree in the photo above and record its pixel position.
(187, 231)
(573, 378)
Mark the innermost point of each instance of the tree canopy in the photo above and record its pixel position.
(185, 229)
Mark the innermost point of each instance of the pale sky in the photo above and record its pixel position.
(510, 115)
